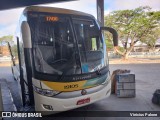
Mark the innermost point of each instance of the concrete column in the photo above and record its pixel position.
(100, 12)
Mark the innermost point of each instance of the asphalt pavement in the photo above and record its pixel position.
(147, 81)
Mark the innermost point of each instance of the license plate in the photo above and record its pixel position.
(83, 101)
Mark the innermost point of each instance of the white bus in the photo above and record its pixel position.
(63, 62)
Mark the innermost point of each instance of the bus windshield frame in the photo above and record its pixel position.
(66, 45)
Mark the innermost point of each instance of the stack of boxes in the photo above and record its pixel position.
(125, 85)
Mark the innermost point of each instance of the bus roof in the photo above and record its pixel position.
(54, 10)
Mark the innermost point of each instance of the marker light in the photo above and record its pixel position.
(48, 107)
(45, 92)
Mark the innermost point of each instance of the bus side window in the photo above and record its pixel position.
(94, 44)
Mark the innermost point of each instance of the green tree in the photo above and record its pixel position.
(5, 39)
(134, 25)
(151, 39)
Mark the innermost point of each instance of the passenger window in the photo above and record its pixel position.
(94, 44)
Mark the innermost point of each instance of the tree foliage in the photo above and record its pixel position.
(140, 24)
(6, 38)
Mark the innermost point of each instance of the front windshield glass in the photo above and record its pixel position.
(90, 44)
(55, 48)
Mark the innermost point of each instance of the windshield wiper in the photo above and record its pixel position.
(61, 77)
(98, 72)
(74, 56)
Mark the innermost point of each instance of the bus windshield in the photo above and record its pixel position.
(65, 45)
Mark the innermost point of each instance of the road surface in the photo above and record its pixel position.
(147, 80)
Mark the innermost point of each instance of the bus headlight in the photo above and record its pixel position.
(45, 92)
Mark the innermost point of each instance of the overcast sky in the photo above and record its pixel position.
(9, 18)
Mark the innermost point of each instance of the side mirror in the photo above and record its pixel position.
(114, 33)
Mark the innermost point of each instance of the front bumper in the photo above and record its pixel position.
(59, 105)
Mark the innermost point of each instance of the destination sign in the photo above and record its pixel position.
(52, 18)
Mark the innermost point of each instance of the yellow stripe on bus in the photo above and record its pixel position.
(66, 86)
